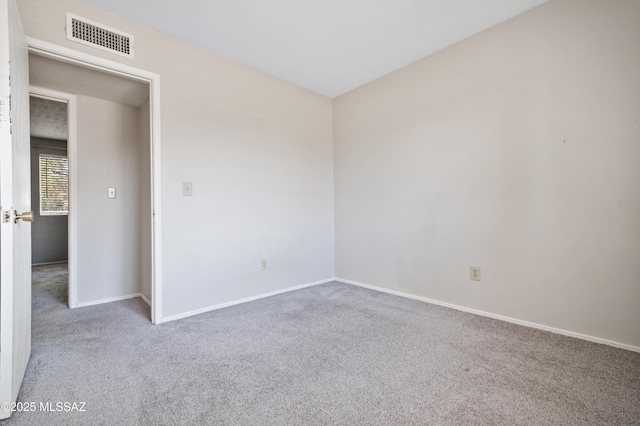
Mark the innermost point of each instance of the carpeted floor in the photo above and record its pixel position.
(329, 354)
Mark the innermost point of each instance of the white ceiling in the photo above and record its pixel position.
(48, 118)
(57, 75)
(327, 46)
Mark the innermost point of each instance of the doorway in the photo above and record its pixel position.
(111, 256)
(49, 193)
(89, 254)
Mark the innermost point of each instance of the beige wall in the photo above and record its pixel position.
(258, 151)
(517, 150)
(108, 155)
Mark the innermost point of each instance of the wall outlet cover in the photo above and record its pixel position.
(475, 273)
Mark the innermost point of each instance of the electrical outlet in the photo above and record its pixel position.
(111, 193)
(264, 264)
(475, 273)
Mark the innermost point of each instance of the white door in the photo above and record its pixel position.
(15, 199)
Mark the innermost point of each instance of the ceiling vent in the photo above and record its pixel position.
(84, 31)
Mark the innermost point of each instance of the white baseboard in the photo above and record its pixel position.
(145, 300)
(496, 316)
(237, 302)
(111, 299)
(57, 262)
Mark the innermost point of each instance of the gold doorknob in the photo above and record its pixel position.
(26, 216)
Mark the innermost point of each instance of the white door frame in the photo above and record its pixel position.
(71, 56)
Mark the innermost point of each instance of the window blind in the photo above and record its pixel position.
(54, 185)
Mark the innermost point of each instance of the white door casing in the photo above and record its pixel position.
(15, 196)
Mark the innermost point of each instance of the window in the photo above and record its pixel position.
(54, 185)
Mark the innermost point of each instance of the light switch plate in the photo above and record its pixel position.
(187, 189)
(111, 193)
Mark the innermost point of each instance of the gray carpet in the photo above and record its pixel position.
(329, 354)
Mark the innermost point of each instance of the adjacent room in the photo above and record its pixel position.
(344, 212)
(49, 181)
